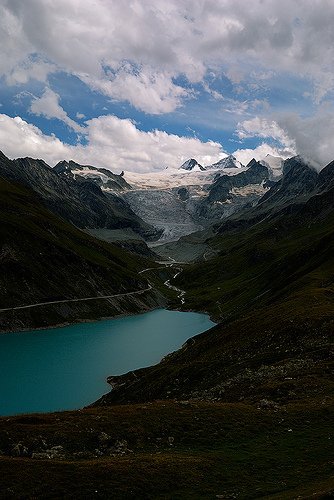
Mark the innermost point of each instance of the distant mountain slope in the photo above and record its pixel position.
(44, 258)
(221, 188)
(298, 184)
(299, 179)
(79, 201)
(181, 202)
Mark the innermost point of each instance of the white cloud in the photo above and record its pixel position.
(119, 145)
(96, 40)
(30, 69)
(48, 105)
(266, 129)
(313, 136)
(261, 127)
(235, 107)
(111, 143)
(19, 138)
(310, 137)
(150, 52)
(260, 152)
(150, 92)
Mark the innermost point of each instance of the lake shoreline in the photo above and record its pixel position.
(83, 321)
(44, 372)
(159, 302)
(162, 305)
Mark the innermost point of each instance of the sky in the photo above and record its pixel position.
(140, 85)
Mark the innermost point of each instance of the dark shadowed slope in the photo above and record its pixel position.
(44, 258)
(80, 201)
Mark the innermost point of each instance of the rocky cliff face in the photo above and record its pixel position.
(301, 192)
(229, 193)
(299, 179)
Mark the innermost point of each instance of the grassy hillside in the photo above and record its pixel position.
(44, 258)
(261, 265)
(181, 450)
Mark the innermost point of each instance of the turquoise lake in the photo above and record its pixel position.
(66, 368)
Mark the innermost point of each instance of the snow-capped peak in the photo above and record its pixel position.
(191, 165)
(227, 162)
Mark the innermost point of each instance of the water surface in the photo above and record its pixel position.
(66, 368)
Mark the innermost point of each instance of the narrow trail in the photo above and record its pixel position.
(65, 301)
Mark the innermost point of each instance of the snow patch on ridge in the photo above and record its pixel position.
(274, 165)
(170, 178)
(91, 174)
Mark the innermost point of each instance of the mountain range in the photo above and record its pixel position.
(229, 161)
(182, 201)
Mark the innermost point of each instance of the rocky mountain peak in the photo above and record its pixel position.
(103, 177)
(253, 163)
(62, 167)
(191, 164)
(229, 161)
(296, 170)
(298, 164)
(299, 179)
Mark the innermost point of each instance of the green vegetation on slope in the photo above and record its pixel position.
(287, 256)
(44, 258)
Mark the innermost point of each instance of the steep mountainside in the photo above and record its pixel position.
(45, 259)
(299, 179)
(79, 201)
(229, 193)
(298, 184)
